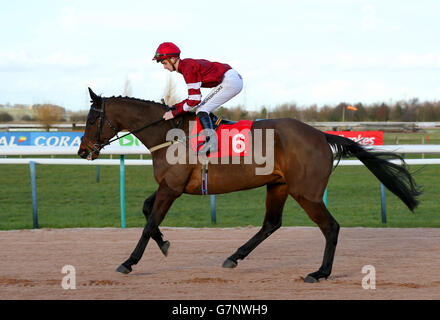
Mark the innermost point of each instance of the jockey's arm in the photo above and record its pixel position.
(193, 80)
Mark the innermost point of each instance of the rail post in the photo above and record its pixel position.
(325, 198)
(122, 188)
(383, 203)
(34, 194)
(213, 211)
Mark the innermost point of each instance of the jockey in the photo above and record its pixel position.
(199, 73)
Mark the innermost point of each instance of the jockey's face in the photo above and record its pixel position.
(169, 64)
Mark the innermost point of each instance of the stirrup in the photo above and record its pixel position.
(202, 145)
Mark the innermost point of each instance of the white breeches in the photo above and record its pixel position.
(231, 86)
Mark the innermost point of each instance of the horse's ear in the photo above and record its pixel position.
(93, 95)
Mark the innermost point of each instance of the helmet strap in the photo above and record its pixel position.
(173, 64)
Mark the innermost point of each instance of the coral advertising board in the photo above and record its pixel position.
(54, 139)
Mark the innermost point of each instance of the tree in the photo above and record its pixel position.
(80, 116)
(26, 117)
(339, 113)
(286, 110)
(361, 113)
(170, 95)
(5, 117)
(49, 114)
(396, 112)
(382, 113)
(427, 112)
(324, 113)
(310, 113)
(263, 113)
(127, 88)
(410, 110)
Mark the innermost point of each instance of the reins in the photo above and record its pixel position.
(98, 146)
(134, 131)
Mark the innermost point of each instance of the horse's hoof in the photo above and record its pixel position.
(164, 248)
(310, 279)
(229, 264)
(123, 269)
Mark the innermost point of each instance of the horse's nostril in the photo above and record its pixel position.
(82, 153)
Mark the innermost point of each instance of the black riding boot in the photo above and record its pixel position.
(205, 121)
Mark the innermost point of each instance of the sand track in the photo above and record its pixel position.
(405, 261)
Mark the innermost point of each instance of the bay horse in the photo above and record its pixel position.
(303, 162)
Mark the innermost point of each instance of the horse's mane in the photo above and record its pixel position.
(164, 106)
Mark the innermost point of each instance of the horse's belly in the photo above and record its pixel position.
(225, 179)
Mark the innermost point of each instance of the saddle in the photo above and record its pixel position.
(236, 134)
(243, 128)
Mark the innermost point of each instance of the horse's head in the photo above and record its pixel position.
(99, 129)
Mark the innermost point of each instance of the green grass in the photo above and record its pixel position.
(431, 136)
(69, 196)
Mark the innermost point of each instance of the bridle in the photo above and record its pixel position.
(95, 148)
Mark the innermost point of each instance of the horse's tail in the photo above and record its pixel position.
(394, 176)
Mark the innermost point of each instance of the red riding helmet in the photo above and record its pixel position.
(166, 50)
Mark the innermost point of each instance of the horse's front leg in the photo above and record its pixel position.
(157, 236)
(165, 197)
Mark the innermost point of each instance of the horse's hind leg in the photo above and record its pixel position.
(330, 228)
(275, 199)
(158, 236)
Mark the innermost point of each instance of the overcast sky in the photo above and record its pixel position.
(307, 52)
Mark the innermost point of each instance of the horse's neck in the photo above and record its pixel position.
(132, 116)
(157, 134)
(140, 115)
